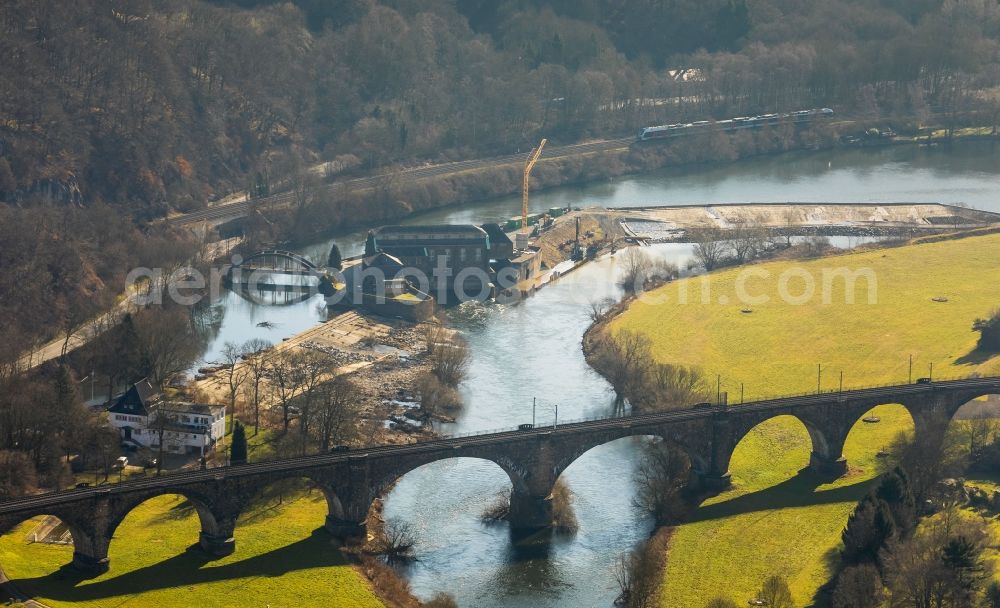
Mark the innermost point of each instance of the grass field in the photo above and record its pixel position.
(281, 560)
(774, 520)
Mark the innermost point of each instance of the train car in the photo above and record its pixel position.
(660, 132)
(732, 124)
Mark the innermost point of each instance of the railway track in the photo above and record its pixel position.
(241, 208)
(890, 393)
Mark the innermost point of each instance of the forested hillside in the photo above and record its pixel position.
(150, 106)
(128, 110)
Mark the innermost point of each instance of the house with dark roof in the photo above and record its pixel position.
(144, 418)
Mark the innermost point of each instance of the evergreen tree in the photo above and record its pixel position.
(885, 528)
(894, 489)
(993, 596)
(868, 529)
(859, 531)
(335, 260)
(370, 244)
(238, 450)
(965, 571)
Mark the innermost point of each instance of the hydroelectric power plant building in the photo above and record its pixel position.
(461, 262)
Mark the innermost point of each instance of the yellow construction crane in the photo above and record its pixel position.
(528, 166)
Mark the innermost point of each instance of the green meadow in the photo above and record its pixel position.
(282, 558)
(919, 300)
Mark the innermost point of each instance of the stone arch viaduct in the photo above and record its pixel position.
(533, 459)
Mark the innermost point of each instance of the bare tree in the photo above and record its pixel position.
(336, 411)
(709, 248)
(636, 267)
(673, 387)
(858, 586)
(599, 308)
(257, 365)
(17, 474)
(313, 366)
(934, 453)
(775, 593)
(166, 341)
(980, 430)
(396, 540)
(449, 355)
(639, 574)
(284, 375)
(235, 373)
(661, 479)
(624, 359)
(941, 564)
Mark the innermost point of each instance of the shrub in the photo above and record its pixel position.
(858, 587)
(989, 331)
(563, 518)
(449, 355)
(436, 395)
(441, 600)
(775, 593)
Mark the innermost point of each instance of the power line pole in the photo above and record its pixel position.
(910, 381)
(819, 376)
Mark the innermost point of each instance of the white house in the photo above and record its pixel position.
(141, 414)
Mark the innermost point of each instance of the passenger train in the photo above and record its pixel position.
(732, 124)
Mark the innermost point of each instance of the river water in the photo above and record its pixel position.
(532, 350)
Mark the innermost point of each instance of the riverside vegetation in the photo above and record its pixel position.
(778, 519)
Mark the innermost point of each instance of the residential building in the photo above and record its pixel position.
(142, 416)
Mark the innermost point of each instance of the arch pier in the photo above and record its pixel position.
(533, 460)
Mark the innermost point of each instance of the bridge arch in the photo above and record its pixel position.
(933, 415)
(215, 526)
(484, 479)
(517, 474)
(84, 543)
(622, 464)
(869, 437)
(274, 490)
(772, 450)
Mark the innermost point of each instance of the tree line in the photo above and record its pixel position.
(155, 106)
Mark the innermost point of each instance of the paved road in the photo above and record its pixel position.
(90, 330)
(239, 208)
(889, 393)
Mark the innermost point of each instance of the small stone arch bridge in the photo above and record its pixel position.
(533, 459)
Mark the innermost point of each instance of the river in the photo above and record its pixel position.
(532, 350)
